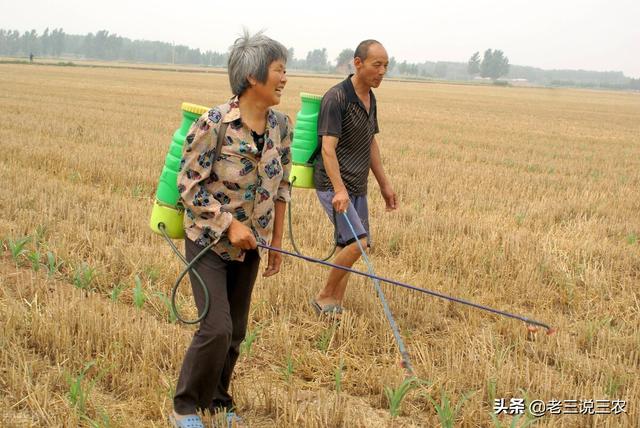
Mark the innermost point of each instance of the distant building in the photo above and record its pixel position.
(345, 68)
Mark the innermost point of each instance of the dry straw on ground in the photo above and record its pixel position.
(523, 199)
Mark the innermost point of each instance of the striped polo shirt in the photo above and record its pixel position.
(343, 115)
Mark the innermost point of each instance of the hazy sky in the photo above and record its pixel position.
(573, 34)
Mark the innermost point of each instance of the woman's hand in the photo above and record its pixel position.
(241, 236)
(273, 267)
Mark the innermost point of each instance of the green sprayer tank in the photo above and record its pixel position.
(305, 141)
(167, 208)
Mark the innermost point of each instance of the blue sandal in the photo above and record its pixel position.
(331, 309)
(191, 421)
(231, 418)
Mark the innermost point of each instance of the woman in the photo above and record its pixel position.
(236, 201)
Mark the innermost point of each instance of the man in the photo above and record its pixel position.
(347, 125)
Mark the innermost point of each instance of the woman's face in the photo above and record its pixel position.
(271, 90)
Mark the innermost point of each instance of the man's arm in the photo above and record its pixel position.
(330, 160)
(390, 198)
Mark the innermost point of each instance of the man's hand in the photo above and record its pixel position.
(273, 267)
(390, 197)
(340, 201)
(241, 236)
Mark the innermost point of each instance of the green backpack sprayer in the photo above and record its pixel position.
(168, 211)
(167, 214)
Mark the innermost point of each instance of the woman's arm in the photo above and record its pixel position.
(283, 196)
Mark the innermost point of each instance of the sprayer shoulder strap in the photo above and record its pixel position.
(282, 120)
(222, 131)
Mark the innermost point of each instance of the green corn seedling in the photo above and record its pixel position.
(247, 343)
(34, 257)
(17, 247)
(139, 296)
(337, 376)
(395, 396)
(53, 265)
(514, 422)
(83, 276)
(447, 413)
(78, 394)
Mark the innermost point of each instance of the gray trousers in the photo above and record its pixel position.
(208, 364)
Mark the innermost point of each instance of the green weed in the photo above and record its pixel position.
(325, 339)
(116, 291)
(105, 420)
(167, 303)
(41, 232)
(491, 390)
(75, 176)
(153, 273)
(395, 245)
(287, 371)
(138, 191)
(527, 400)
(502, 352)
(594, 326)
(614, 383)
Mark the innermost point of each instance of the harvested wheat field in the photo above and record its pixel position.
(526, 200)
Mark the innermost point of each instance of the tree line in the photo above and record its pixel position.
(104, 45)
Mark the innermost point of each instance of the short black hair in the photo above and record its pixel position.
(363, 49)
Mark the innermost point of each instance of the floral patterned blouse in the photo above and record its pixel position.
(243, 183)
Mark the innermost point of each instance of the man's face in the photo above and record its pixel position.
(372, 70)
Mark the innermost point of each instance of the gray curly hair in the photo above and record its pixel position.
(252, 56)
